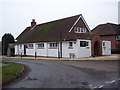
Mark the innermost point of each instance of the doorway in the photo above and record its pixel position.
(96, 48)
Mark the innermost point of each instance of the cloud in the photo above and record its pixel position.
(18, 1)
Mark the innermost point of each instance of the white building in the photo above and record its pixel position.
(66, 38)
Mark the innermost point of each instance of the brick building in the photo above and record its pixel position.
(110, 32)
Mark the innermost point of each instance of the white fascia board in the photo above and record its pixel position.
(77, 21)
(85, 23)
(74, 24)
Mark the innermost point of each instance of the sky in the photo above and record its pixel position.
(16, 15)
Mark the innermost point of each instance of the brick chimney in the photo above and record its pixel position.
(33, 23)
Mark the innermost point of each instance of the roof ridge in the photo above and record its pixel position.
(59, 19)
(55, 20)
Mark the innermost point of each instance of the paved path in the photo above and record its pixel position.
(108, 57)
(49, 74)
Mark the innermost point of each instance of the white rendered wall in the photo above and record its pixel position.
(76, 50)
(42, 51)
(83, 51)
(18, 50)
(106, 50)
(53, 52)
(66, 51)
(30, 51)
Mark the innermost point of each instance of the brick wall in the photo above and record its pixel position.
(113, 40)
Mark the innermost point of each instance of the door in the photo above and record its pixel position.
(96, 48)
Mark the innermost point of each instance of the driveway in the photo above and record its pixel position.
(67, 74)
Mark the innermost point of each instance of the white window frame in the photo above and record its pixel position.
(53, 45)
(30, 46)
(40, 45)
(70, 44)
(86, 44)
(20, 46)
(80, 30)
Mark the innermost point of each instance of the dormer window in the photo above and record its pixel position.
(80, 30)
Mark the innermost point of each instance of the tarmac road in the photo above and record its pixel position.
(46, 74)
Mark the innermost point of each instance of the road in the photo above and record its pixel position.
(57, 74)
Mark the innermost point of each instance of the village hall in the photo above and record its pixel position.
(69, 37)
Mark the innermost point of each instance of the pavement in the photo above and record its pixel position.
(107, 57)
(67, 74)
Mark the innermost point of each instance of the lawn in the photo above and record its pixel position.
(10, 71)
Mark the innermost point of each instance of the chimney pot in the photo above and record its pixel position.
(33, 20)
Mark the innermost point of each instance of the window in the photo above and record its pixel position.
(20, 46)
(83, 43)
(53, 44)
(103, 43)
(84, 30)
(75, 29)
(30, 45)
(70, 44)
(40, 45)
(87, 43)
(80, 30)
(118, 37)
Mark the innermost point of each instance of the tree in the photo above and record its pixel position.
(6, 40)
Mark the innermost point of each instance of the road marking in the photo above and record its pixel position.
(101, 86)
(110, 81)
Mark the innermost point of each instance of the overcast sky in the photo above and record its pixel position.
(16, 15)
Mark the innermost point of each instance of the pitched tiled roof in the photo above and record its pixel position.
(50, 31)
(107, 29)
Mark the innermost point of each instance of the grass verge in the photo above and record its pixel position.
(10, 71)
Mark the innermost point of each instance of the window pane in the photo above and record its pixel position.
(103, 43)
(50, 44)
(41, 45)
(85, 30)
(70, 44)
(81, 29)
(56, 44)
(82, 43)
(75, 29)
(53, 44)
(78, 29)
(30, 45)
(20, 46)
(87, 43)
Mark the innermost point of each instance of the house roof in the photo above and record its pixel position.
(107, 29)
(51, 31)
